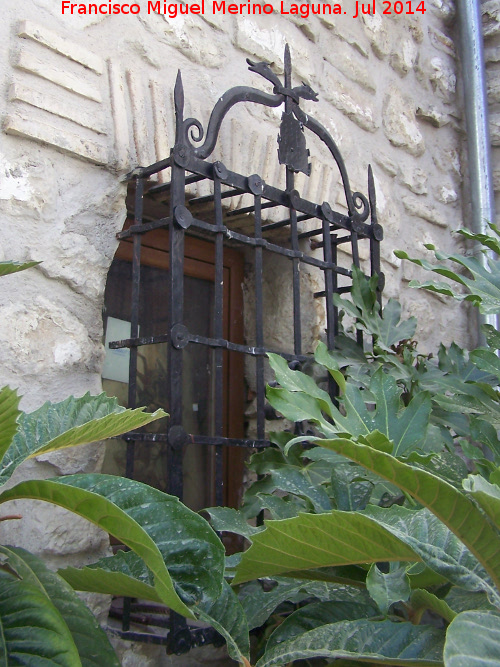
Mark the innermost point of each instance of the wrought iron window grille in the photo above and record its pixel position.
(189, 163)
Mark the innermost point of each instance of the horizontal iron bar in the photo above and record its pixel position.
(229, 442)
(224, 195)
(339, 290)
(250, 209)
(144, 172)
(143, 228)
(336, 242)
(284, 223)
(143, 340)
(197, 166)
(138, 436)
(199, 636)
(164, 187)
(271, 247)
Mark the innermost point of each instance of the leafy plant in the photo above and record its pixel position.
(175, 557)
(392, 493)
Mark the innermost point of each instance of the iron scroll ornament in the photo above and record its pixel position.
(292, 146)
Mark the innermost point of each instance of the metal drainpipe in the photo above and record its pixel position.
(476, 121)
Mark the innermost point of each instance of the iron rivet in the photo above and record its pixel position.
(179, 336)
(378, 232)
(255, 184)
(183, 216)
(326, 211)
(220, 169)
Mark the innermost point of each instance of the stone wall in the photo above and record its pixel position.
(491, 34)
(84, 99)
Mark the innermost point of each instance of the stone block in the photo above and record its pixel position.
(427, 212)
(442, 77)
(36, 64)
(493, 86)
(495, 129)
(59, 106)
(430, 113)
(376, 31)
(399, 123)
(356, 106)
(446, 194)
(404, 56)
(53, 41)
(491, 18)
(442, 42)
(444, 9)
(385, 162)
(346, 61)
(414, 178)
(263, 43)
(21, 125)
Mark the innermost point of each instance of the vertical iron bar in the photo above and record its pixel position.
(335, 283)
(330, 308)
(355, 261)
(175, 315)
(290, 182)
(219, 333)
(134, 333)
(259, 322)
(374, 243)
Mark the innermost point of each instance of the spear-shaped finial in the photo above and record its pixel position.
(288, 67)
(178, 103)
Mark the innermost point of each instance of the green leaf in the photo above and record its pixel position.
(226, 615)
(75, 421)
(404, 426)
(91, 641)
(385, 325)
(435, 544)
(422, 600)
(486, 360)
(486, 495)
(315, 615)
(124, 574)
(32, 630)
(453, 508)
(460, 600)
(13, 267)
(482, 285)
(259, 603)
(350, 491)
(387, 588)
(157, 527)
(380, 642)
(9, 413)
(322, 540)
(226, 519)
(298, 381)
(472, 640)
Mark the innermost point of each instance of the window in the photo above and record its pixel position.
(150, 458)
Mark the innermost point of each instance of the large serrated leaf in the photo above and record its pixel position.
(32, 630)
(486, 495)
(9, 413)
(259, 604)
(310, 541)
(386, 588)
(317, 614)
(385, 325)
(226, 615)
(91, 641)
(123, 574)
(157, 527)
(74, 421)
(451, 506)
(384, 642)
(473, 640)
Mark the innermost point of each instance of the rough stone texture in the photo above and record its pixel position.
(400, 123)
(88, 98)
(491, 33)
